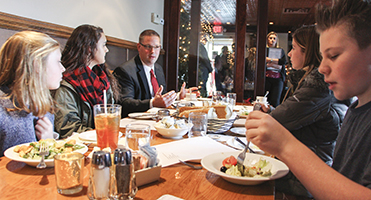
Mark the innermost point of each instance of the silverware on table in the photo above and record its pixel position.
(242, 155)
(243, 144)
(146, 115)
(43, 152)
(189, 165)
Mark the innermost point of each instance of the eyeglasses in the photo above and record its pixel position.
(149, 47)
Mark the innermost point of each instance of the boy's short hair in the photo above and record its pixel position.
(354, 14)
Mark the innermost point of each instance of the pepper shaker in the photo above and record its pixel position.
(99, 180)
(125, 184)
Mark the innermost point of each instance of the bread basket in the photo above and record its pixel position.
(217, 126)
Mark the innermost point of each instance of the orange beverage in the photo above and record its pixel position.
(107, 127)
(107, 123)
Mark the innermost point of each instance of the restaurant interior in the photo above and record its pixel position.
(183, 25)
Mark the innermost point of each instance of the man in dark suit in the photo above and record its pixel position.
(140, 89)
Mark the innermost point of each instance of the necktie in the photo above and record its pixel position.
(154, 82)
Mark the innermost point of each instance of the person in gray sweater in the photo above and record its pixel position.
(29, 67)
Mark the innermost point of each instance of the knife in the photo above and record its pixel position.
(145, 115)
(240, 141)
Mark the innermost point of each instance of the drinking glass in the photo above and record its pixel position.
(199, 121)
(217, 97)
(69, 168)
(163, 113)
(231, 99)
(107, 124)
(137, 135)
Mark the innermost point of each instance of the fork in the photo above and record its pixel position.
(43, 152)
(242, 155)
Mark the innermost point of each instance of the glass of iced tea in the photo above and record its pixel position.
(137, 135)
(107, 124)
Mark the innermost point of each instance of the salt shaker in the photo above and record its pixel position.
(124, 186)
(99, 180)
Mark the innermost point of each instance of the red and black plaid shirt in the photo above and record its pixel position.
(89, 83)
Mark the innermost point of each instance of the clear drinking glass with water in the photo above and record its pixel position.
(231, 99)
(137, 135)
(199, 121)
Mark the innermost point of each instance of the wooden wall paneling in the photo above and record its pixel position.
(261, 53)
(239, 71)
(14, 22)
(193, 47)
(171, 42)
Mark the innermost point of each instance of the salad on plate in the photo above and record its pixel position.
(32, 150)
(254, 168)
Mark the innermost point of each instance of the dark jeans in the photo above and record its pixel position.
(274, 86)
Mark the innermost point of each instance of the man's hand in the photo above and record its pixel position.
(183, 91)
(163, 101)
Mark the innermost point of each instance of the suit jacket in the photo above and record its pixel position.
(134, 85)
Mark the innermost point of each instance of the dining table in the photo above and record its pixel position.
(21, 181)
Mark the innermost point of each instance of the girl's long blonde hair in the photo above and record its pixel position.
(22, 69)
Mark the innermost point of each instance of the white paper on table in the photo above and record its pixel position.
(126, 121)
(189, 149)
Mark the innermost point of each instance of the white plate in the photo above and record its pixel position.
(234, 143)
(9, 153)
(213, 163)
(91, 136)
(239, 130)
(204, 99)
(142, 115)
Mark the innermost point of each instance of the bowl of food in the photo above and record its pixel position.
(29, 152)
(255, 170)
(172, 128)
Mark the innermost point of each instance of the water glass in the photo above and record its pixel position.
(199, 121)
(162, 113)
(137, 135)
(217, 97)
(69, 172)
(231, 99)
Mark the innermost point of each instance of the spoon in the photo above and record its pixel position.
(266, 94)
